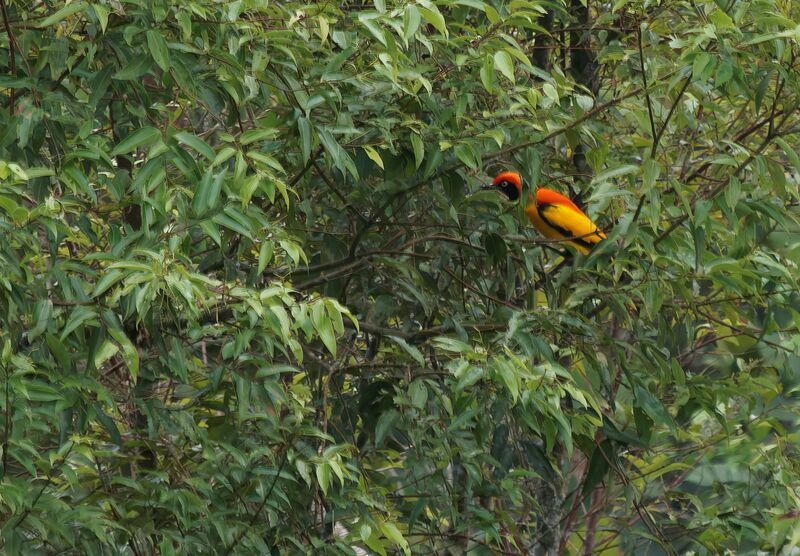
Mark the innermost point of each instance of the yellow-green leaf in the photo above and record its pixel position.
(375, 155)
(504, 64)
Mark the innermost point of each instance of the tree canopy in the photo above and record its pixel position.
(253, 299)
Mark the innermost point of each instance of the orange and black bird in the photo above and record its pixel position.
(552, 214)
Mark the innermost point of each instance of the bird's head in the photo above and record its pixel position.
(508, 183)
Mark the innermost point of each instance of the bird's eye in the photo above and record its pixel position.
(504, 183)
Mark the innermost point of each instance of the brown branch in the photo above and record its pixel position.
(646, 92)
(12, 58)
(324, 277)
(595, 505)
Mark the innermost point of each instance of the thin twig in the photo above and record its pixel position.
(646, 91)
(324, 277)
(263, 503)
(48, 482)
(332, 186)
(758, 337)
(475, 290)
(661, 131)
(576, 122)
(716, 190)
(425, 333)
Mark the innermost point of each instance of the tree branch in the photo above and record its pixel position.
(716, 190)
(263, 503)
(661, 131)
(646, 92)
(12, 46)
(576, 122)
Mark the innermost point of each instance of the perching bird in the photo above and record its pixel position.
(552, 214)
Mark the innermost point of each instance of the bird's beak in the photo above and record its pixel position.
(488, 186)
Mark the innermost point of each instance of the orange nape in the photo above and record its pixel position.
(552, 214)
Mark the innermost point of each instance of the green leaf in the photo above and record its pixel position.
(106, 351)
(550, 92)
(418, 393)
(411, 21)
(339, 156)
(451, 344)
(63, 13)
(59, 351)
(652, 407)
(509, 378)
(724, 73)
(432, 15)
(249, 187)
(102, 15)
(43, 313)
(109, 279)
(373, 155)
(385, 424)
(266, 160)
(413, 351)
(487, 74)
(612, 173)
(109, 425)
(392, 533)
(259, 134)
(265, 255)
(224, 154)
(419, 149)
(467, 155)
(324, 327)
(720, 19)
(129, 352)
(323, 472)
(38, 391)
(195, 143)
(139, 138)
(651, 171)
(761, 90)
(496, 247)
(233, 221)
(133, 70)
(79, 316)
(598, 466)
(701, 63)
(304, 127)
(158, 48)
(504, 64)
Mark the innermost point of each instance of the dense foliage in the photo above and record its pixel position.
(253, 300)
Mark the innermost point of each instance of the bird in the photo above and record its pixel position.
(552, 214)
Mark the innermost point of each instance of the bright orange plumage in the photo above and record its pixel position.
(553, 214)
